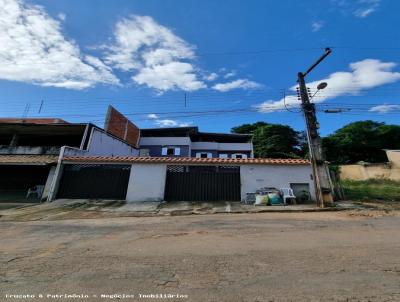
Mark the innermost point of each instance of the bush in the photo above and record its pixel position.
(372, 189)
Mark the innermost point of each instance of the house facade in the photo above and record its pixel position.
(174, 178)
(31, 150)
(190, 142)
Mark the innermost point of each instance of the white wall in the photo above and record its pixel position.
(103, 144)
(49, 181)
(163, 141)
(254, 177)
(146, 182)
(222, 146)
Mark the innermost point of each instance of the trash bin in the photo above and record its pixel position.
(261, 200)
(275, 198)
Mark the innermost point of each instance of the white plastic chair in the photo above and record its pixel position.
(38, 190)
(287, 194)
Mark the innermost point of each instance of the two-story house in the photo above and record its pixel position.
(31, 148)
(190, 142)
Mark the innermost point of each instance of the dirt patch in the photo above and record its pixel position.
(326, 256)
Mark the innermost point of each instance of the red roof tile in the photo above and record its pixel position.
(186, 160)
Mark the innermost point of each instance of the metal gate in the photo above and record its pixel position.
(94, 181)
(202, 183)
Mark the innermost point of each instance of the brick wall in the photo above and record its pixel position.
(120, 126)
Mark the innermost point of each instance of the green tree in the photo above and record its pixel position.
(273, 140)
(361, 141)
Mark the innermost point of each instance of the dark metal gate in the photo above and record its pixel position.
(94, 181)
(202, 183)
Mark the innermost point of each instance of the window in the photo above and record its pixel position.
(144, 152)
(171, 151)
(223, 155)
(239, 155)
(204, 155)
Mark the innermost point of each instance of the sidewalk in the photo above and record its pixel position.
(187, 208)
(89, 209)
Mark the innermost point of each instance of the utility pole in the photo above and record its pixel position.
(322, 182)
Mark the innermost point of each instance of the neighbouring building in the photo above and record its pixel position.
(30, 150)
(190, 142)
(363, 171)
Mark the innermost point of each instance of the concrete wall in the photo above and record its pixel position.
(146, 182)
(165, 141)
(254, 177)
(369, 171)
(394, 157)
(222, 146)
(390, 170)
(49, 181)
(102, 144)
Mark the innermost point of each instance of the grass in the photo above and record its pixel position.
(372, 189)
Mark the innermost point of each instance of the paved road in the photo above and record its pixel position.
(227, 257)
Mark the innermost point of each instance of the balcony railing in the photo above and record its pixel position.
(29, 150)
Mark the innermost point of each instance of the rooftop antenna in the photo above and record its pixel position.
(26, 111)
(41, 105)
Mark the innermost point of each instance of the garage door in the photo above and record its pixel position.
(16, 180)
(202, 183)
(94, 181)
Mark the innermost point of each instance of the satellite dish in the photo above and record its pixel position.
(322, 85)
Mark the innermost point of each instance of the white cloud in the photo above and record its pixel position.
(357, 8)
(317, 25)
(366, 8)
(62, 16)
(33, 49)
(365, 74)
(185, 124)
(385, 108)
(152, 116)
(160, 59)
(237, 84)
(171, 123)
(230, 74)
(210, 77)
(169, 76)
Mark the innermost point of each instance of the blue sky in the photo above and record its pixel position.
(214, 64)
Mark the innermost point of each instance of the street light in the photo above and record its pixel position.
(320, 86)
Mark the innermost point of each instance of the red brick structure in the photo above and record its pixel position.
(120, 126)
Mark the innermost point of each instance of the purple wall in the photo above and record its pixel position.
(216, 153)
(156, 150)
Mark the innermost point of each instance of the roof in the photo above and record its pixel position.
(32, 121)
(163, 132)
(186, 160)
(221, 137)
(196, 135)
(45, 129)
(28, 159)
